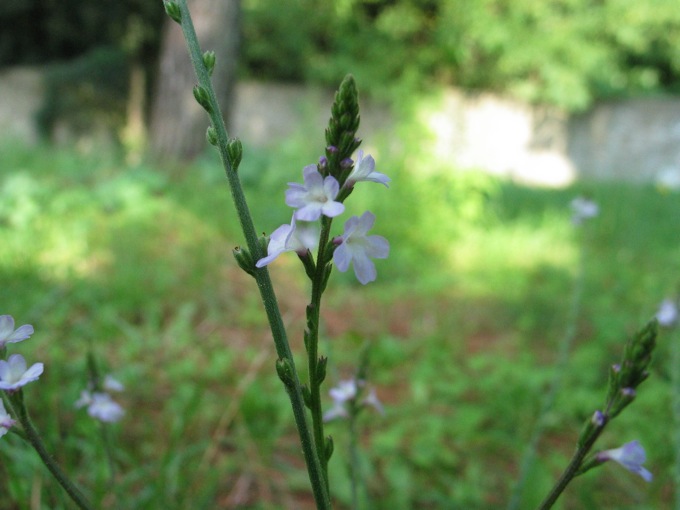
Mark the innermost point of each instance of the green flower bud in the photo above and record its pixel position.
(211, 135)
(235, 152)
(329, 447)
(244, 260)
(203, 98)
(285, 372)
(172, 10)
(321, 369)
(209, 61)
(344, 121)
(307, 396)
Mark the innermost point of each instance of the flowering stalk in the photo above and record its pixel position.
(230, 153)
(624, 378)
(350, 397)
(341, 142)
(15, 402)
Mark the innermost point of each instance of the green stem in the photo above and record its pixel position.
(313, 317)
(354, 456)
(262, 278)
(571, 471)
(16, 402)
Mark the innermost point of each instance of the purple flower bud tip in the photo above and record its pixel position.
(346, 163)
(331, 149)
(628, 392)
(323, 161)
(597, 419)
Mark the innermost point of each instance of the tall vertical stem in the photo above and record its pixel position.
(262, 278)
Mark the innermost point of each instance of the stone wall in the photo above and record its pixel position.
(634, 140)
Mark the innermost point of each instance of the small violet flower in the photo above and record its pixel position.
(13, 373)
(364, 170)
(315, 197)
(631, 456)
(298, 237)
(583, 209)
(100, 406)
(8, 335)
(112, 384)
(347, 391)
(668, 313)
(341, 394)
(355, 246)
(6, 420)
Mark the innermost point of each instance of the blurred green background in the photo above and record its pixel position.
(131, 258)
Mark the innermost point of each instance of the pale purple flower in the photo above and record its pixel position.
(598, 419)
(358, 248)
(583, 209)
(100, 406)
(631, 456)
(364, 170)
(112, 384)
(372, 400)
(299, 237)
(14, 375)
(6, 420)
(8, 335)
(668, 313)
(315, 197)
(341, 394)
(346, 391)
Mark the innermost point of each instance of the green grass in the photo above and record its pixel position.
(134, 262)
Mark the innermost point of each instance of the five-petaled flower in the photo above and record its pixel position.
(100, 406)
(8, 335)
(315, 197)
(6, 420)
(364, 170)
(631, 456)
(299, 237)
(356, 247)
(14, 375)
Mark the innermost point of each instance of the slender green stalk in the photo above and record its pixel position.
(16, 403)
(570, 472)
(549, 397)
(354, 468)
(311, 453)
(312, 345)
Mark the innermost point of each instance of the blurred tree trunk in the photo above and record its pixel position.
(178, 124)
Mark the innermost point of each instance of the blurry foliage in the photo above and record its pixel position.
(562, 52)
(88, 47)
(463, 320)
(88, 91)
(41, 31)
